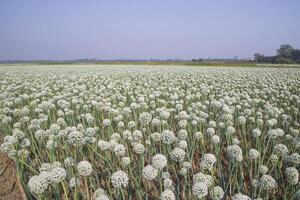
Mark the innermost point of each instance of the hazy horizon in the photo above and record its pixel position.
(67, 30)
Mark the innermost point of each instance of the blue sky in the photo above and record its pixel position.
(110, 29)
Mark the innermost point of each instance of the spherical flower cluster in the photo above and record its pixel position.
(235, 153)
(84, 168)
(205, 178)
(280, 150)
(292, 175)
(254, 154)
(177, 154)
(98, 192)
(256, 132)
(58, 174)
(69, 162)
(215, 139)
(150, 172)
(145, 118)
(74, 182)
(119, 150)
(119, 179)
(240, 196)
(207, 161)
(168, 137)
(263, 169)
(139, 148)
(37, 184)
(125, 161)
(167, 195)
(103, 145)
(199, 190)
(216, 193)
(75, 138)
(159, 161)
(267, 182)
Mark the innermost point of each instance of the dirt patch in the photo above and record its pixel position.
(10, 187)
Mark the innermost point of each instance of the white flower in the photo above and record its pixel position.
(150, 172)
(177, 155)
(84, 168)
(235, 153)
(119, 150)
(125, 161)
(167, 195)
(159, 161)
(207, 161)
(74, 182)
(139, 148)
(37, 184)
(75, 138)
(216, 193)
(119, 179)
(240, 197)
(199, 190)
(103, 145)
(267, 182)
(263, 169)
(58, 174)
(292, 175)
(253, 154)
(280, 150)
(167, 137)
(145, 118)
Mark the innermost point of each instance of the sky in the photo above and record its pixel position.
(144, 29)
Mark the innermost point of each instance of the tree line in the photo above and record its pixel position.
(285, 54)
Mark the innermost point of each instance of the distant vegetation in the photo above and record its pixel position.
(286, 54)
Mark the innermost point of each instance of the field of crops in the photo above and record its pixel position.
(152, 132)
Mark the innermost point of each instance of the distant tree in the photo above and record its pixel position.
(259, 57)
(285, 51)
(282, 60)
(296, 55)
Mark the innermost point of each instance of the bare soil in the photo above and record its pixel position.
(10, 187)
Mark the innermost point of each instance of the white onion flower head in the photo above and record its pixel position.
(199, 190)
(292, 175)
(235, 153)
(37, 184)
(205, 178)
(99, 192)
(84, 168)
(119, 179)
(69, 162)
(145, 118)
(263, 169)
(240, 196)
(280, 150)
(58, 174)
(254, 154)
(216, 193)
(139, 148)
(167, 195)
(207, 161)
(215, 139)
(267, 182)
(177, 154)
(103, 145)
(256, 133)
(168, 137)
(159, 161)
(149, 172)
(120, 150)
(74, 182)
(125, 161)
